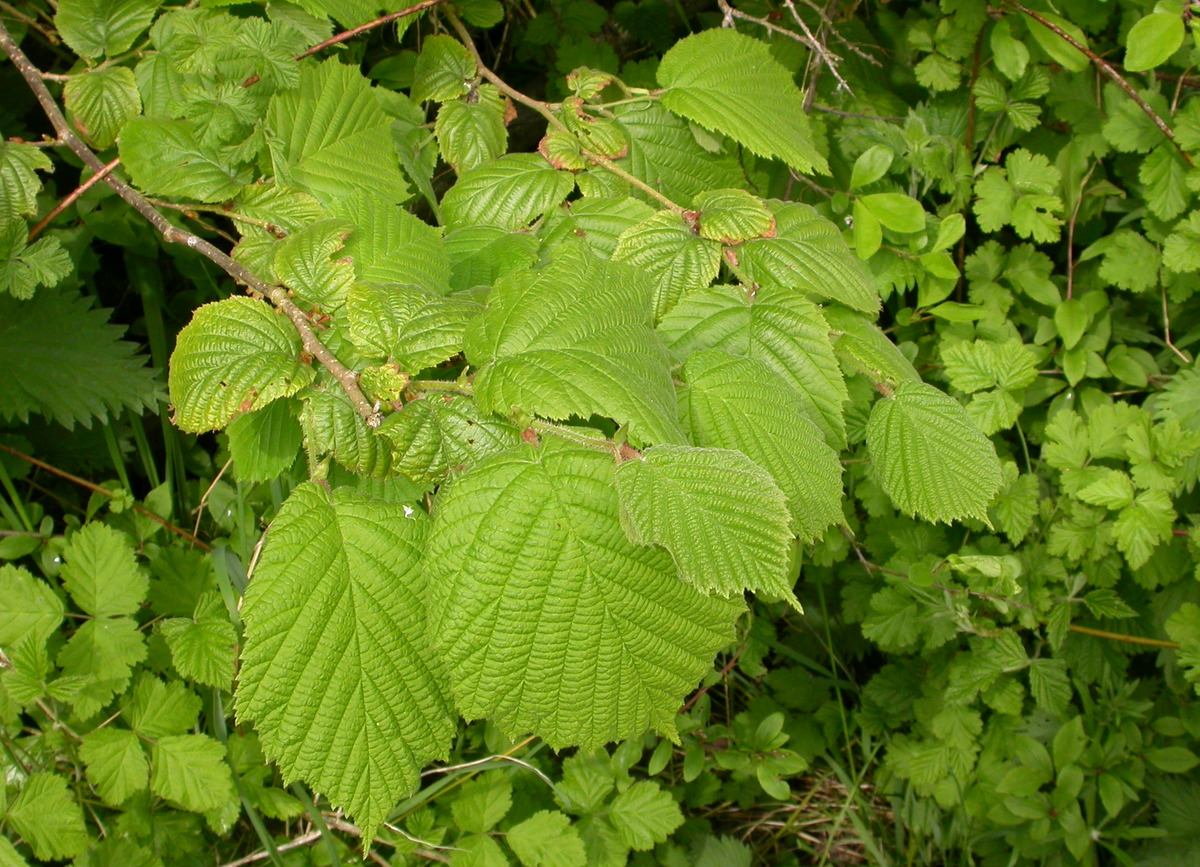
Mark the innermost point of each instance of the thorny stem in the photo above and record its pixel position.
(1109, 70)
(278, 295)
(72, 196)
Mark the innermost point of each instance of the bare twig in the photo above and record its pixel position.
(278, 295)
(71, 197)
(305, 839)
(1109, 70)
(17, 15)
(1124, 639)
(1167, 331)
(363, 28)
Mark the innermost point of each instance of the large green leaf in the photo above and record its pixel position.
(390, 245)
(64, 361)
(730, 82)
(330, 137)
(116, 764)
(49, 818)
(550, 349)
(264, 443)
(778, 327)
(864, 346)
(437, 435)
(166, 158)
(191, 771)
(929, 457)
(444, 69)
(550, 620)
(808, 254)
(234, 356)
(675, 257)
(95, 27)
(102, 101)
(337, 673)
(738, 403)
(304, 263)
(508, 192)
(471, 131)
(721, 517)
(100, 572)
(19, 184)
(332, 427)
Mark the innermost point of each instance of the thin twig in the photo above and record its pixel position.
(487, 760)
(47, 32)
(1167, 331)
(1124, 639)
(91, 486)
(278, 295)
(1071, 233)
(837, 112)
(363, 28)
(72, 196)
(305, 839)
(1109, 70)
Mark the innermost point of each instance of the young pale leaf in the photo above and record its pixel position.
(547, 839)
(1152, 41)
(28, 607)
(898, 212)
(191, 771)
(730, 82)
(234, 356)
(549, 349)
(100, 572)
(548, 618)
(928, 456)
(471, 131)
(49, 818)
(508, 192)
(337, 673)
(721, 517)
(645, 814)
(732, 216)
(677, 260)
(166, 158)
(436, 435)
(95, 27)
(102, 101)
(116, 764)
(780, 328)
(330, 137)
(737, 403)
(264, 443)
(24, 266)
(808, 254)
(871, 165)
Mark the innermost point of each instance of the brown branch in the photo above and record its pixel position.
(278, 295)
(1109, 70)
(363, 28)
(71, 197)
(1124, 639)
(92, 486)
(691, 702)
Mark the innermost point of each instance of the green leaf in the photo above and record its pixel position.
(734, 403)
(444, 70)
(471, 131)
(808, 254)
(19, 184)
(547, 839)
(1112, 489)
(551, 350)
(1181, 250)
(435, 436)
(95, 27)
(330, 137)
(1061, 51)
(871, 165)
(1152, 41)
(408, 326)
(597, 220)
(1049, 684)
(9, 856)
(28, 608)
(938, 72)
(732, 216)
(101, 573)
(645, 814)
(1130, 261)
(868, 231)
(610, 639)
(721, 517)
(1143, 525)
(190, 770)
(203, 647)
(861, 344)
(508, 192)
(729, 82)
(64, 361)
(1164, 174)
(160, 709)
(480, 254)
(235, 356)
(116, 764)
(677, 260)
(1172, 760)
(102, 101)
(1022, 194)
(1071, 319)
(974, 366)
(482, 803)
(337, 673)
(1184, 628)
(263, 444)
(898, 212)
(105, 652)
(778, 327)
(390, 245)
(332, 427)
(49, 818)
(166, 158)
(1011, 56)
(303, 263)
(24, 266)
(928, 456)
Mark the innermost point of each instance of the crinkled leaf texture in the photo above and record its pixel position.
(675, 257)
(166, 157)
(507, 192)
(337, 674)
(547, 348)
(929, 457)
(235, 356)
(438, 435)
(730, 82)
(721, 517)
(550, 620)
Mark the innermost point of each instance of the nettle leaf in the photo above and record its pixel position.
(779, 328)
(508, 192)
(64, 361)
(731, 83)
(808, 254)
(737, 403)
(190, 770)
(732, 216)
(337, 673)
(100, 572)
(48, 818)
(96, 27)
(550, 620)
(28, 608)
(166, 158)
(444, 70)
(549, 349)
(390, 245)
(437, 435)
(721, 517)
(234, 356)
(102, 101)
(471, 131)
(116, 764)
(263, 444)
(24, 267)
(19, 184)
(676, 258)
(928, 456)
(408, 326)
(330, 137)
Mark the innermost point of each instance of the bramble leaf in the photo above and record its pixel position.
(203, 646)
(116, 764)
(49, 818)
(28, 607)
(732, 216)
(645, 814)
(96, 27)
(547, 839)
(191, 771)
(100, 572)
(24, 266)
(444, 70)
